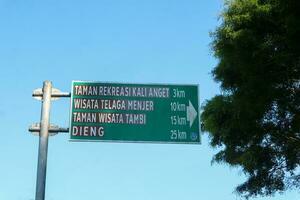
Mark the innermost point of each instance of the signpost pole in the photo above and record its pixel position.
(43, 141)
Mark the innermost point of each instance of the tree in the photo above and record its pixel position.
(255, 121)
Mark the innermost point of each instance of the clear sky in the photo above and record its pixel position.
(136, 41)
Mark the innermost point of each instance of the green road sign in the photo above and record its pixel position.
(134, 112)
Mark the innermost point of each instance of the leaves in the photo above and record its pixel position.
(257, 119)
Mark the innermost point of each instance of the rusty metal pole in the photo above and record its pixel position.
(43, 141)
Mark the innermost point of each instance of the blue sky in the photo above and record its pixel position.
(155, 41)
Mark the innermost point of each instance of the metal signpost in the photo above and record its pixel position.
(44, 129)
(134, 112)
(120, 113)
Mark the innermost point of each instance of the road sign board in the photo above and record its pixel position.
(134, 112)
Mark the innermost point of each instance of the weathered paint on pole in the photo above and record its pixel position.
(43, 141)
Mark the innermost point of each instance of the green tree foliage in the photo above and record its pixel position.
(255, 122)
